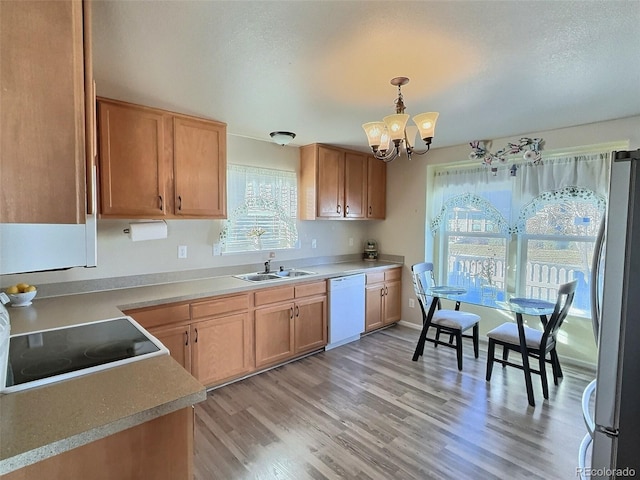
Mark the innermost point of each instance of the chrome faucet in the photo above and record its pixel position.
(267, 266)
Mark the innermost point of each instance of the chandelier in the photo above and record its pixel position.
(393, 128)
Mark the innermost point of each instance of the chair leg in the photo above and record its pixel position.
(543, 376)
(476, 348)
(490, 353)
(451, 336)
(505, 355)
(555, 362)
(458, 336)
(435, 345)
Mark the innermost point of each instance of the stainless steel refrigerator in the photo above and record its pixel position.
(614, 427)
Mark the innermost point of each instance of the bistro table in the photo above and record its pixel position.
(517, 306)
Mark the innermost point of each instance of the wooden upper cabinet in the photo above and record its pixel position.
(42, 112)
(159, 164)
(355, 192)
(333, 184)
(330, 182)
(132, 161)
(200, 147)
(376, 188)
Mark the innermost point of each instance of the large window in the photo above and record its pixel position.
(262, 205)
(524, 234)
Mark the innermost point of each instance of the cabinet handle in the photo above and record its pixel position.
(196, 339)
(346, 210)
(297, 311)
(382, 292)
(161, 204)
(186, 337)
(179, 202)
(291, 313)
(386, 290)
(370, 210)
(339, 209)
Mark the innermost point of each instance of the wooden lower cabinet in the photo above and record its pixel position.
(177, 340)
(161, 449)
(289, 321)
(383, 293)
(221, 348)
(274, 334)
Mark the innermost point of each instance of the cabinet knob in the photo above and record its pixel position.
(179, 202)
(161, 203)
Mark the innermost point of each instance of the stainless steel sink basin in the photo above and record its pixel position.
(280, 275)
(294, 273)
(259, 277)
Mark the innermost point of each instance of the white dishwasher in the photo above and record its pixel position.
(346, 309)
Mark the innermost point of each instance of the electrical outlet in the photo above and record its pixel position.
(412, 303)
(314, 243)
(351, 242)
(182, 251)
(272, 255)
(216, 249)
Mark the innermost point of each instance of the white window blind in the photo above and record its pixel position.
(262, 205)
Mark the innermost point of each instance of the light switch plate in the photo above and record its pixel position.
(182, 251)
(217, 250)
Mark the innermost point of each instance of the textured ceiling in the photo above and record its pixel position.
(322, 68)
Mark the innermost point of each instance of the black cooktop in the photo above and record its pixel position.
(51, 355)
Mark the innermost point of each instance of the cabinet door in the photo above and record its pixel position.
(376, 188)
(310, 318)
(132, 162)
(200, 168)
(274, 334)
(355, 180)
(392, 302)
(221, 348)
(374, 299)
(330, 183)
(42, 113)
(177, 339)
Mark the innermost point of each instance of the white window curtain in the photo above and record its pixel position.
(589, 171)
(262, 205)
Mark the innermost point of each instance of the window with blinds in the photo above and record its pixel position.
(262, 205)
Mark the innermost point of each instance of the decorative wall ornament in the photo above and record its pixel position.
(530, 146)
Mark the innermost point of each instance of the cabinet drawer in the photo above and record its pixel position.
(394, 274)
(316, 288)
(375, 277)
(154, 316)
(273, 295)
(219, 306)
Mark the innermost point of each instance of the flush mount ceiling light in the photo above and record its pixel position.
(282, 138)
(394, 128)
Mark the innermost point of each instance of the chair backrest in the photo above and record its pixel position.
(422, 274)
(566, 292)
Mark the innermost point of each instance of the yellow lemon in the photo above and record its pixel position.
(22, 286)
(13, 289)
(30, 288)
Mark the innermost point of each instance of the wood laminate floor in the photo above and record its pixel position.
(366, 411)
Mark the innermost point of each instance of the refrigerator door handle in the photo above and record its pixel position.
(586, 414)
(595, 283)
(582, 456)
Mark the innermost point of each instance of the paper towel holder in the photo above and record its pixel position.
(160, 223)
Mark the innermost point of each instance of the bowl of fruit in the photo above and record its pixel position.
(21, 294)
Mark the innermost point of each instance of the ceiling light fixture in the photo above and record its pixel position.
(394, 128)
(282, 138)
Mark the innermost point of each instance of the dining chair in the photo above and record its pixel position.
(538, 343)
(450, 322)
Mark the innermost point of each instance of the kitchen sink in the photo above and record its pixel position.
(259, 277)
(280, 275)
(294, 273)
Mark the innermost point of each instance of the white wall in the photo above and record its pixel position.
(405, 227)
(119, 256)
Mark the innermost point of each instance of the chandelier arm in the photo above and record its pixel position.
(420, 152)
(389, 155)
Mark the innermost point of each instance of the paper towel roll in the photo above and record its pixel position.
(147, 230)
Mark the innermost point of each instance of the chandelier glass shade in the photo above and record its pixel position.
(394, 129)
